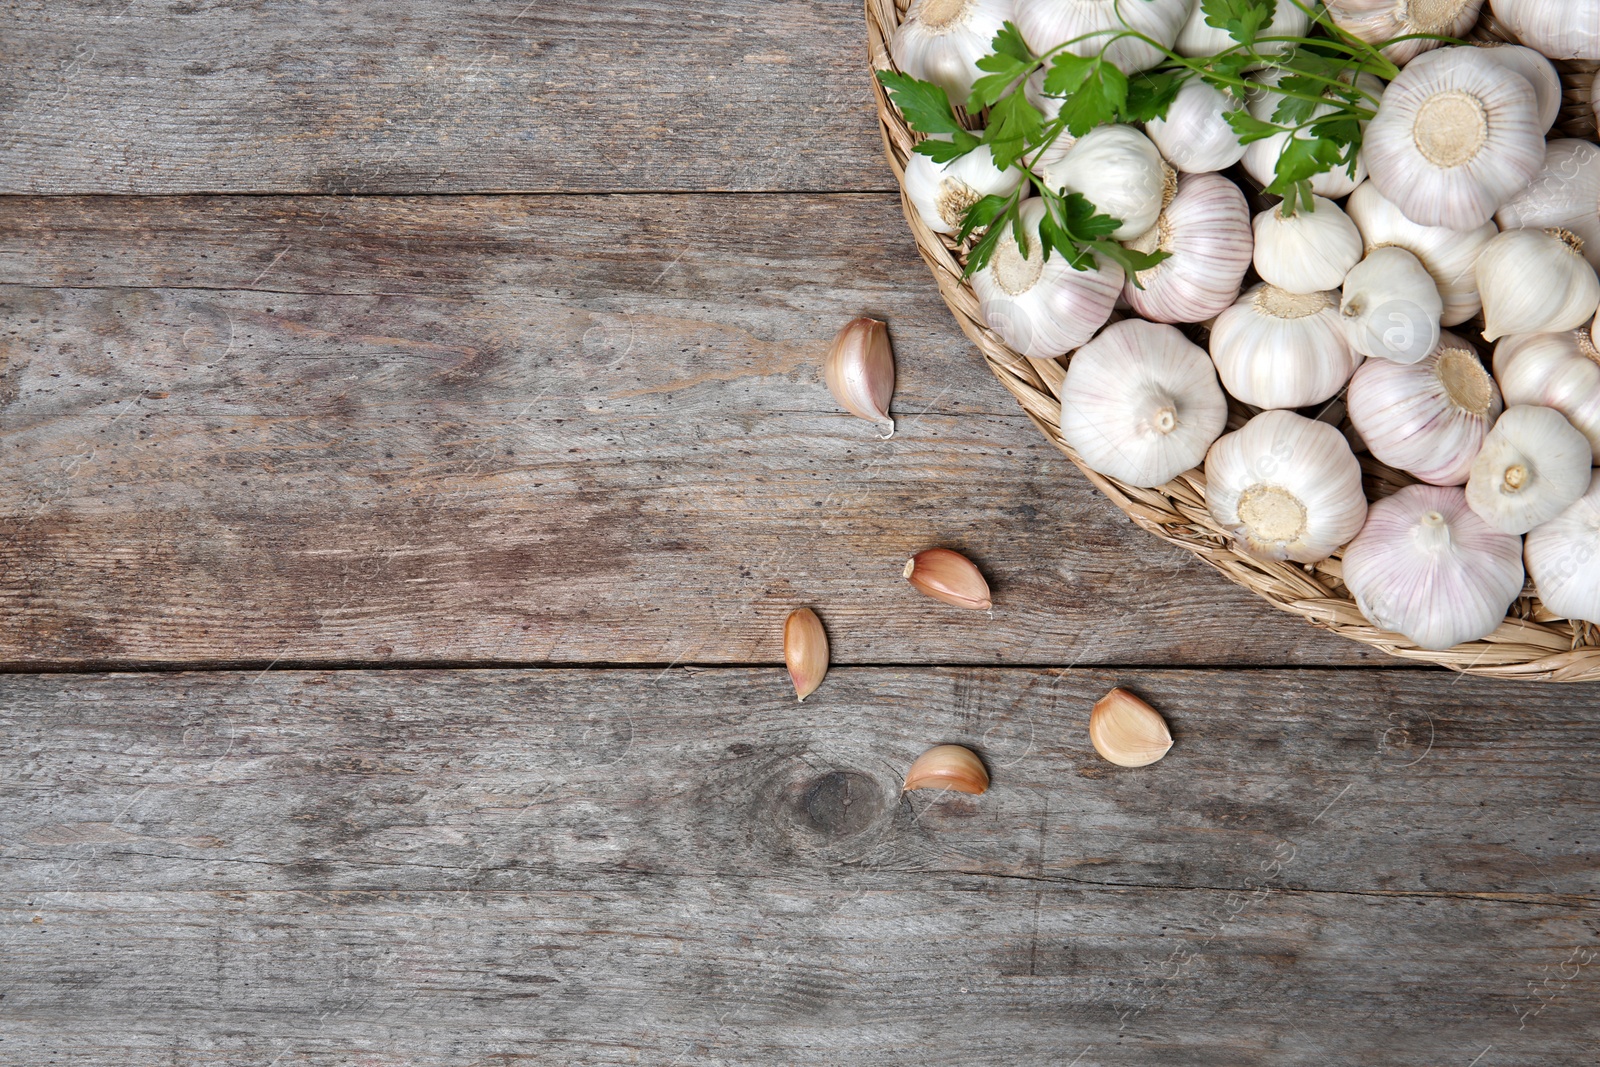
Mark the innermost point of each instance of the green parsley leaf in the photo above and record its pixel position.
(1131, 262)
(982, 214)
(1098, 101)
(1249, 128)
(941, 150)
(1150, 93)
(1242, 19)
(1014, 123)
(1085, 221)
(1301, 160)
(1008, 42)
(1066, 74)
(925, 105)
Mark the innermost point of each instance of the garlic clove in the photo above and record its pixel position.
(1276, 349)
(1561, 29)
(1391, 307)
(1554, 370)
(805, 651)
(941, 41)
(1309, 251)
(1563, 557)
(1117, 169)
(1565, 195)
(1535, 281)
(1451, 256)
(1206, 228)
(1195, 136)
(1094, 28)
(859, 370)
(1127, 731)
(1377, 21)
(1537, 71)
(949, 577)
(948, 767)
(942, 192)
(1532, 466)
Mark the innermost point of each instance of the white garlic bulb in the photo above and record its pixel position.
(1199, 38)
(1537, 71)
(1286, 487)
(1376, 21)
(1091, 24)
(1425, 566)
(1451, 256)
(1554, 370)
(942, 192)
(1455, 137)
(1564, 558)
(1532, 466)
(1391, 306)
(1535, 281)
(1428, 418)
(1206, 228)
(1564, 195)
(1261, 157)
(1561, 29)
(1195, 136)
(941, 41)
(1043, 308)
(1117, 169)
(1309, 251)
(1276, 349)
(1141, 404)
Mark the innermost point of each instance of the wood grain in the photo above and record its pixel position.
(526, 429)
(419, 96)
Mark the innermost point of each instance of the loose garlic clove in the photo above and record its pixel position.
(1377, 21)
(941, 41)
(859, 370)
(948, 767)
(1538, 71)
(805, 651)
(1286, 487)
(1451, 256)
(1563, 558)
(1309, 251)
(1127, 731)
(1206, 228)
(1195, 136)
(1141, 404)
(942, 192)
(1554, 370)
(1428, 418)
(949, 577)
(1532, 466)
(1455, 138)
(1275, 349)
(1391, 307)
(1535, 281)
(1117, 169)
(1561, 29)
(1564, 196)
(1091, 28)
(1427, 567)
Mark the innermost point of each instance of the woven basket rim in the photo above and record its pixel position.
(1531, 644)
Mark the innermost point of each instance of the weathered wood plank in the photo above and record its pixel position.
(416, 96)
(510, 429)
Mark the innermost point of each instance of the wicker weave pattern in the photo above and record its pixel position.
(1531, 643)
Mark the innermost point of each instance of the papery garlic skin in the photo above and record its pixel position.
(1535, 281)
(1206, 228)
(1532, 466)
(1117, 169)
(941, 41)
(1425, 566)
(1090, 24)
(1455, 137)
(1286, 487)
(1391, 307)
(1537, 71)
(1451, 256)
(1428, 418)
(1195, 136)
(1043, 308)
(1564, 195)
(1275, 349)
(1561, 29)
(1376, 21)
(1309, 251)
(1199, 38)
(1554, 370)
(1563, 557)
(942, 192)
(1141, 403)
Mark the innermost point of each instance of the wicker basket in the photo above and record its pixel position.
(1531, 643)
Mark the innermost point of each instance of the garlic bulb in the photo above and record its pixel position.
(1287, 487)
(941, 41)
(1532, 466)
(1141, 404)
(1564, 558)
(1276, 349)
(1554, 370)
(1200, 38)
(1428, 418)
(1195, 136)
(1391, 306)
(942, 192)
(1537, 71)
(1564, 195)
(1308, 252)
(1206, 227)
(1451, 256)
(1117, 169)
(1261, 157)
(1561, 29)
(1376, 21)
(1091, 24)
(1535, 281)
(1043, 308)
(1455, 137)
(1426, 567)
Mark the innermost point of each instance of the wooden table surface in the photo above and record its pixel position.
(413, 442)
